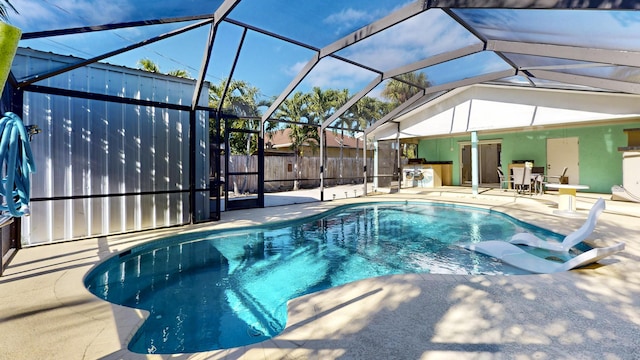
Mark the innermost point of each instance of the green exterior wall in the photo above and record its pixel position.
(443, 150)
(600, 160)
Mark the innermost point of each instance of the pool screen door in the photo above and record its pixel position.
(244, 166)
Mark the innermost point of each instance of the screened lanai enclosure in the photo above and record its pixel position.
(161, 113)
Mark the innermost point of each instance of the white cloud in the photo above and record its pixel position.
(348, 17)
(295, 68)
(351, 18)
(334, 74)
(417, 38)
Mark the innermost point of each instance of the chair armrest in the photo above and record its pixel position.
(556, 178)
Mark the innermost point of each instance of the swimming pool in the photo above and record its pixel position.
(223, 289)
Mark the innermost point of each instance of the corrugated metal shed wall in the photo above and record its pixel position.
(90, 147)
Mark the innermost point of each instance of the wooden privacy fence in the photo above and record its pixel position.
(279, 172)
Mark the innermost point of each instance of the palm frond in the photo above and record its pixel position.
(4, 14)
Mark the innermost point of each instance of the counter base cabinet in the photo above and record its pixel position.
(426, 175)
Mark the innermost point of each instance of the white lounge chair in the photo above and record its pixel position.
(515, 256)
(570, 240)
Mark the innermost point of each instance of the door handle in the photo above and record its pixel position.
(548, 166)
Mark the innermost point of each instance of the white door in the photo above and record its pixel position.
(564, 152)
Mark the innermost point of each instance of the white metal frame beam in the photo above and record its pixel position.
(392, 19)
(375, 27)
(420, 97)
(590, 81)
(434, 60)
(223, 10)
(603, 56)
(535, 4)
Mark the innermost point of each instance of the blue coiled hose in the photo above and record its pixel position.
(16, 161)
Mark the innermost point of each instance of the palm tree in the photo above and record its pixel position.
(4, 14)
(322, 103)
(242, 100)
(366, 111)
(148, 65)
(399, 91)
(325, 103)
(297, 109)
(180, 73)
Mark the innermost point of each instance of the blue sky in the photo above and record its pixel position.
(266, 63)
(271, 64)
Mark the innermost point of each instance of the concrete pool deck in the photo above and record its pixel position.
(591, 313)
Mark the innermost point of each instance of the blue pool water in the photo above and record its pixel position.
(223, 289)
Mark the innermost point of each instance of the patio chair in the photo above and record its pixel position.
(522, 179)
(515, 256)
(557, 178)
(504, 180)
(570, 240)
(538, 183)
(538, 180)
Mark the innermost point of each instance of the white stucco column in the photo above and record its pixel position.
(375, 164)
(474, 163)
(398, 158)
(364, 161)
(322, 164)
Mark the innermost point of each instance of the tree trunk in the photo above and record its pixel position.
(296, 185)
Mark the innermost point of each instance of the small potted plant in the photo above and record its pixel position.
(9, 38)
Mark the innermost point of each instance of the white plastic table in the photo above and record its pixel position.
(567, 197)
